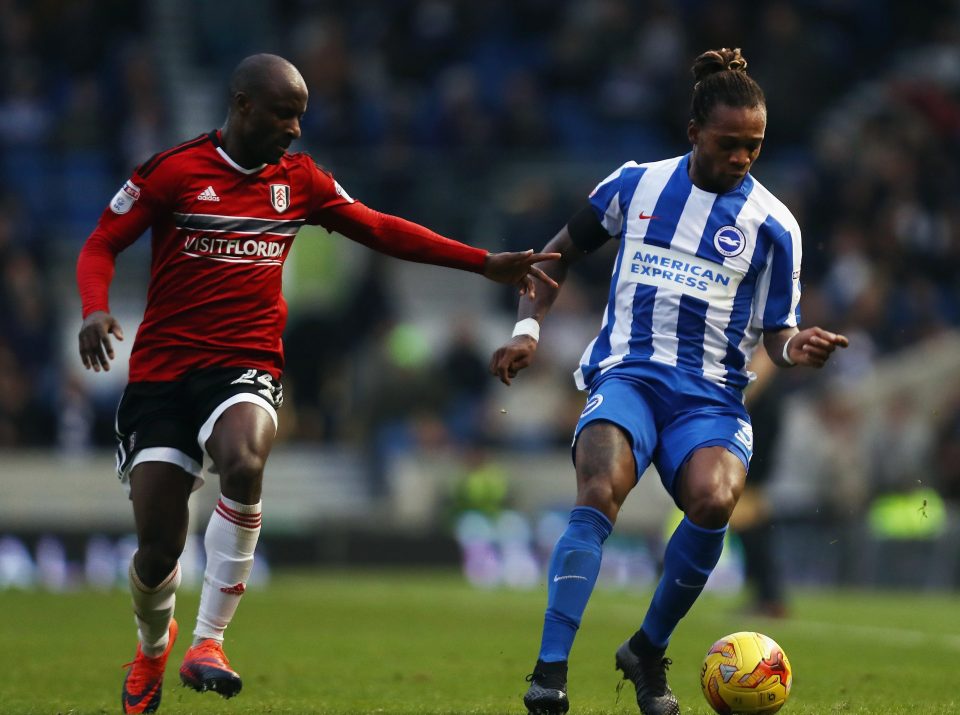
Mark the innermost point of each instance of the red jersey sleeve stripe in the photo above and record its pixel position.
(154, 161)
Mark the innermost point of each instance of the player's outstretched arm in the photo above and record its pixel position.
(404, 239)
(517, 353)
(811, 347)
(518, 269)
(96, 348)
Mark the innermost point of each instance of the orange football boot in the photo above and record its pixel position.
(205, 667)
(143, 685)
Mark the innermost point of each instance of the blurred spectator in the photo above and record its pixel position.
(901, 447)
(466, 384)
(753, 520)
(947, 453)
(821, 467)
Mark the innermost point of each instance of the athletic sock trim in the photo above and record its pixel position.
(245, 520)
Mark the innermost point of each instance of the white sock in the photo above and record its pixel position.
(230, 541)
(153, 610)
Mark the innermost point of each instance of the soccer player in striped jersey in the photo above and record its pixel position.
(206, 362)
(708, 266)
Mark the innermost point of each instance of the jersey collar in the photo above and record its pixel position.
(215, 138)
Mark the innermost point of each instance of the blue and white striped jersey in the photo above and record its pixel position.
(699, 276)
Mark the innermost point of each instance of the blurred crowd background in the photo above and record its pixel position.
(490, 122)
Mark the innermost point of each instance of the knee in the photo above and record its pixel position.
(155, 560)
(599, 494)
(712, 509)
(242, 473)
(604, 489)
(606, 470)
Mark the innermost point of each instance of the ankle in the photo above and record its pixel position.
(551, 674)
(641, 646)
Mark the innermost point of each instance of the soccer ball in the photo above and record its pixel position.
(746, 673)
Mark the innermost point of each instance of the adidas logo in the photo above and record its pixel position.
(237, 590)
(208, 194)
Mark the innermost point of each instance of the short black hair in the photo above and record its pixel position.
(256, 72)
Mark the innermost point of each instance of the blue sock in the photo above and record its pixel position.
(690, 558)
(572, 575)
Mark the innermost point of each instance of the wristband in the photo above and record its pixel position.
(527, 326)
(786, 351)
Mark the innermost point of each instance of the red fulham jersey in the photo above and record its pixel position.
(220, 236)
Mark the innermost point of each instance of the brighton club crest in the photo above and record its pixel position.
(280, 197)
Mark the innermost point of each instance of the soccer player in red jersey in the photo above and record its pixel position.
(224, 209)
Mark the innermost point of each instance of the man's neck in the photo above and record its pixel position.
(231, 145)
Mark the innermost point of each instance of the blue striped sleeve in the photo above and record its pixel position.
(782, 308)
(604, 200)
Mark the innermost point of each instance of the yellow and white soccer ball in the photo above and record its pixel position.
(746, 672)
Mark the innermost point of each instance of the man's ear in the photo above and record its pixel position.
(241, 103)
(693, 132)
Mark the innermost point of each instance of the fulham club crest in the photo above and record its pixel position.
(280, 197)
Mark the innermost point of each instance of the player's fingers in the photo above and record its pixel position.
(88, 351)
(521, 362)
(528, 287)
(94, 360)
(835, 339)
(539, 273)
(537, 257)
(499, 365)
(107, 347)
(815, 357)
(512, 366)
(494, 365)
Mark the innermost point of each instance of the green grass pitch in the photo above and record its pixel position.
(408, 642)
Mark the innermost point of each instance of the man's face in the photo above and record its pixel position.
(271, 118)
(725, 146)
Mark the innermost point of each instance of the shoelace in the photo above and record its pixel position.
(544, 680)
(214, 649)
(149, 669)
(655, 675)
(656, 668)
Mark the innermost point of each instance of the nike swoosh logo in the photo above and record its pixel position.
(563, 578)
(645, 217)
(132, 700)
(681, 584)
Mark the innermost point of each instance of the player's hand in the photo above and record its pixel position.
(96, 348)
(512, 357)
(518, 269)
(812, 347)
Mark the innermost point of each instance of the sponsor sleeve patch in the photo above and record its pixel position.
(125, 198)
(341, 192)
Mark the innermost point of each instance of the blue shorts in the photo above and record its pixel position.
(668, 413)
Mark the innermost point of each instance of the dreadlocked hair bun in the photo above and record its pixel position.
(721, 78)
(714, 61)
